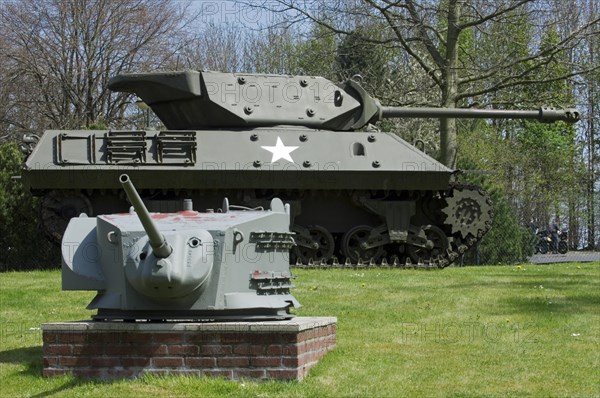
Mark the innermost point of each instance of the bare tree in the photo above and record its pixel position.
(62, 53)
(433, 35)
(215, 47)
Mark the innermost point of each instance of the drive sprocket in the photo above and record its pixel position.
(469, 211)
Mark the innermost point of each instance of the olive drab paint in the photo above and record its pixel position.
(356, 197)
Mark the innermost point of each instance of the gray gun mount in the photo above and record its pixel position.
(186, 265)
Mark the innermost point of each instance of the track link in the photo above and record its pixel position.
(468, 212)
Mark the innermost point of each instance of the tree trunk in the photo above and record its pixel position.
(591, 148)
(591, 182)
(448, 142)
(448, 134)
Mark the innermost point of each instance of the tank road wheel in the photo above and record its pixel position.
(58, 208)
(352, 245)
(468, 211)
(323, 252)
(437, 244)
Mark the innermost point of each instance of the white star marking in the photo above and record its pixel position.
(280, 151)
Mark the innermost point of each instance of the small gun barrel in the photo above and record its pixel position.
(543, 114)
(160, 246)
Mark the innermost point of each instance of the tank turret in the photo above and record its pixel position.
(198, 100)
(183, 265)
(357, 198)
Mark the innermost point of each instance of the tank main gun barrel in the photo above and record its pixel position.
(547, 115)
(160, 246)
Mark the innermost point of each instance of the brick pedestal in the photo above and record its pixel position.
(234, 350)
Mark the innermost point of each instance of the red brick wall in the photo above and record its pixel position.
(113, 354)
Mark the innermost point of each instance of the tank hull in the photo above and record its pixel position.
(222, 159)
(355, 197)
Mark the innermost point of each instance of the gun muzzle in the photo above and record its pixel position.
(550, 115)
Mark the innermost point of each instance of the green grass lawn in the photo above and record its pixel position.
(459, 332)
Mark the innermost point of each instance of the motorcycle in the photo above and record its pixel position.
(545, 242)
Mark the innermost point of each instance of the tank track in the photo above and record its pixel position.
(469, 213)
(451, 222)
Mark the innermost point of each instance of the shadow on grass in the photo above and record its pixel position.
(581, 304)
(521, 280)
(65, 387)
(522, 292)
(31, 359)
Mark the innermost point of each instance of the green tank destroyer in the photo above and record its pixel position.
(356, 197)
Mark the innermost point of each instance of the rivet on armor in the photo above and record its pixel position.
(371, 138)
(303, 82)
(248, 109)
(241, 80)
(254, 137)
(376, 164)
(306, 163)
(303, 137)
(257, 163)
(310, 112)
